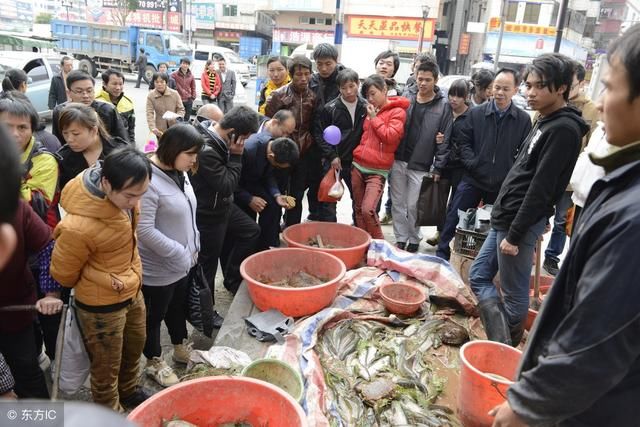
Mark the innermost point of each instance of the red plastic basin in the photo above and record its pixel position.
(401, 298)
(278, 264)
(211, 401)
(353, 241)
(480, 389)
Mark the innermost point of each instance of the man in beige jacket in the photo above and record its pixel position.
(160, 100)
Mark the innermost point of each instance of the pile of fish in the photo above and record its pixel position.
(380, 375)
(319, 242)
(301, 279)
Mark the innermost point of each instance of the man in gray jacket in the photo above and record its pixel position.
(228, 92)
(429, 120)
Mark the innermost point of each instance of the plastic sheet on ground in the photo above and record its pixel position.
(358, 298)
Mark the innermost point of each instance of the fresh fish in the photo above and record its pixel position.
(379, 365)
(398, 417)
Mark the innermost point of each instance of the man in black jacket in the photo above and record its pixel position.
(141, 64)
(428, 116)
(214, 182)
(582, 361)
(58, 88)
(488, 143)
(81, 88)
(347, 112)
(522, 209)
(258, 193)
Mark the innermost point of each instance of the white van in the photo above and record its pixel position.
(203, 53)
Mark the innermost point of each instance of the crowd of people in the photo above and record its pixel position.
(118, 233)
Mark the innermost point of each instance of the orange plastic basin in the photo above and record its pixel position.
(479, 392)
(401, 298)
(353, 241)
(545, 285)
(211, 401)
(277, 264)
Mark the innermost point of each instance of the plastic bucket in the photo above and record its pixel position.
(278, 264)
(213, 401)
(402, 298)
(277, 373)
(479, 392)
(353, 242)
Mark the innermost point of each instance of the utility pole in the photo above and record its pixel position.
(562, 14)
(503, 17)
(425, 15)
(337, 38)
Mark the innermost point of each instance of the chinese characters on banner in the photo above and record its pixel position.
(173, 6)
(228, 35)
(511, 27)
(205, 14)
(285, 35)
(141, 18)
(380, 27)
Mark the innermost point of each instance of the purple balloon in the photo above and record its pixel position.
(332, 135)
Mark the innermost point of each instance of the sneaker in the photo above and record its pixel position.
(182, 352)
(551, 267)
(412, 247)
(217, 320)
(434, 240)
(161, 372)
(386, 219)
(401, 245)
(134, 399)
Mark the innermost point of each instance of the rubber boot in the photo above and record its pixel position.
(494, 320)
(516, 334)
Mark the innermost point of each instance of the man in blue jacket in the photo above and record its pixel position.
(489, 142)
(258, 193)
(525, 203)
(581, 366)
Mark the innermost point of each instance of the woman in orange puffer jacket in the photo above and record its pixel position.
(373, 158)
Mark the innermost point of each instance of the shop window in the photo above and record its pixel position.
(531, 13)
(229, 10)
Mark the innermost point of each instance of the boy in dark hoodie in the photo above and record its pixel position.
(324, 85)
(525, 202)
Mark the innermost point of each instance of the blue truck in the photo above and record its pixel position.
(98, 47)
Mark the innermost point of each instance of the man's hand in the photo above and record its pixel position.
(336, 164)
(10, 395)
(257, 204)
(436, 177)
(49, 305)
(157, 132)
(282, 201)
(507, 248)
(439, 138)
(237, 147)
(547, 228)
(116, 284)
(505, 417)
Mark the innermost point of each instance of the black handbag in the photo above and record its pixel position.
(432, 202)
(199, 307)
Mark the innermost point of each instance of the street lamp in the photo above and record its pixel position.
(425, 15)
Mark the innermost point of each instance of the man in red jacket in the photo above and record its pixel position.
(186, 86)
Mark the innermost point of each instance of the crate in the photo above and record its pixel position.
(468, 243)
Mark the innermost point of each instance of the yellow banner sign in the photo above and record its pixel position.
(512, 27)
(381, 27)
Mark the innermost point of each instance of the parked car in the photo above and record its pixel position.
(40, 68)
(203, 53)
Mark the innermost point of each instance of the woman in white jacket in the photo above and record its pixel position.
(169, 242)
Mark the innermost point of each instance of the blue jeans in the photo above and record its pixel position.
(466, 197)
(559, 233)
(515, 272)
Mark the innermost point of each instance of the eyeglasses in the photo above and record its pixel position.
(83, 91)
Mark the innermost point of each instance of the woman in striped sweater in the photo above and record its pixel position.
(211, 83)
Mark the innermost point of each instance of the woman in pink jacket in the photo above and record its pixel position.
(373, 158)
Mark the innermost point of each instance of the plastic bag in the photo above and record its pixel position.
(331, 187)
(75, 365)
(199, 307)
(432, 202)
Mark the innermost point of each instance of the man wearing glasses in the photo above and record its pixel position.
(81, 88)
